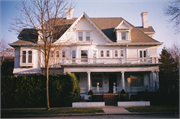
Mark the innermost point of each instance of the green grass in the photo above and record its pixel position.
(52, 111)
(154, 109)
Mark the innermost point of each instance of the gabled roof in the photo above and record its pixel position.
(105, 26)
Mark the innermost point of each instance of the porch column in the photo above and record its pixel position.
(122, 79)
(89, 80)
(153, 81)
(157, 80)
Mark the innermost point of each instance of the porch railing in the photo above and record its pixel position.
(59, 61)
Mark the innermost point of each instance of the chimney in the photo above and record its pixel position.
(144, 16)
(69, 13)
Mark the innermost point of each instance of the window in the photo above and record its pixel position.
(140, 54)
(107, 53)
(29, 56)
(96, 78)
(116, 53)
(144, 53)
(73, 56)
(123, 35)
(57, 54)
(121, 53)
(23, 56)
(63, 54)
(102, 53)
(84, 56)
(137, 80)
(80, 36)
(26, 56)
(87, 36)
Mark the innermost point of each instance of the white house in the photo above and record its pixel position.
(102, 52)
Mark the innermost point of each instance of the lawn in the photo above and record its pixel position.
(166, 108)
(52, 111)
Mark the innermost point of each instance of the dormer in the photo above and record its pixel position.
(123, 32)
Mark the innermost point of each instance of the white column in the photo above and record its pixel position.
(153, 81)
(114, 88)
(157, 80)
(89, 80)
(122, 79)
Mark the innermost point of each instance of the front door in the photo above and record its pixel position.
(112, 80)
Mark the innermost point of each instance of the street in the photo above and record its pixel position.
(114, 116)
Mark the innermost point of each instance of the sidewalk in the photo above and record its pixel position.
(108, 110)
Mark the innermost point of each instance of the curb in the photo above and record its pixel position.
(87, 114)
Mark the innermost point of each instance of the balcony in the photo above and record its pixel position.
(88, 61)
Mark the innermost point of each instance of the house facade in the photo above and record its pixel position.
(106, 54)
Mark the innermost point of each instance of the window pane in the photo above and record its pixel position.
(137, 80)
(23, 56)
(29, 56)
(80, 36)
(121, 53)
(123, 35)
(96, 78)
(84, 56)
(73, 56)
(51, 53)
(102, 53)
(140, 54)
(107, 53)
(116, 53)
(57, 53)
(63, 54)
(87, 36)
(144, 53)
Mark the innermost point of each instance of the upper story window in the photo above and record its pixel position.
(116, 53)
(87, 36)
(57, 54)
(122, 53)
(29, 56)
(26, 58)
(102, 53)
(119, 53)
(107, 53)
(80, 36)
(23, 56)
(123, 35)
(63, 54)
(142, 53)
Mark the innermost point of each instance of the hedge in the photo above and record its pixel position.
(30, 91)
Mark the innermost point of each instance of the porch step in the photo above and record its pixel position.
(111, 99)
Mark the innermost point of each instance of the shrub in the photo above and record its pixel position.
(30, 91)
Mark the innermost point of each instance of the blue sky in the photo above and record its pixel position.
(130, 10)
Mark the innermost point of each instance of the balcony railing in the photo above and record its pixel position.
(61, 61)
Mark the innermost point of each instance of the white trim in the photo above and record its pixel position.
(72, 27)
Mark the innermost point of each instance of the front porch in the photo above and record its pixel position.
(114, 82)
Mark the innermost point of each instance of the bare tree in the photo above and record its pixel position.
(5, 50)
(42, 16)
(173, 10)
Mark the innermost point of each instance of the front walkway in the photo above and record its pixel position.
(114, 110)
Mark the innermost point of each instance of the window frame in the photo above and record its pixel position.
(123, 35)
(80, 38)
(88, 38)
(26, 57)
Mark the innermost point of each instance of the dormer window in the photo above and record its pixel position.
(123, 32)
(123, 35)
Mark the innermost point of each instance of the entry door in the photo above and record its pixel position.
(112, 80)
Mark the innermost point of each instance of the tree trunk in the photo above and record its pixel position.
(47, 87)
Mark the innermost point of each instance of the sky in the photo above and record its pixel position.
(130, 10)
